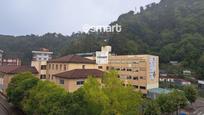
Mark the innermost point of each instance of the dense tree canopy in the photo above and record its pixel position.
(19, 86)
(96, 97)
(112, 97)
(171, 102)
(191, 93)
(45, 98)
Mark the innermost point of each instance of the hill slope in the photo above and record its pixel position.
(172, 29)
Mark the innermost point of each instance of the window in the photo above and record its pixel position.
(107, 68)
(118, 69)
(42, 76)
(142, 87)
(129, 69)
(135, 78)
(136, 70)
(61, 81)
(43, 67)
(80, 82)
(142, 69)
(118, 76)
(52, 66)
(60, 67)
(65, 67)
(100, 67)
(135, 86)
(141, 77)
(49, 66)
(83, 66)
(129, 77)
(56, 66)
(123, 69)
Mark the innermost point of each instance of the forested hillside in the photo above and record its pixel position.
(172, 29)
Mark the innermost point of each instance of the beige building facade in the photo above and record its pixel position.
(68, 63)
(39, 61)
(140, 71)
(74, 79)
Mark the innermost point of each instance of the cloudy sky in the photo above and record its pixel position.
(21, 17)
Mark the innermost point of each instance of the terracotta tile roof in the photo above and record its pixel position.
(80, 73)
(72, 59)
(17, 69)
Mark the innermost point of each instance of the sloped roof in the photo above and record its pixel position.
(17, 69)
(72, 59)
(80, 73)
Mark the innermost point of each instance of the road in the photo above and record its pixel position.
(6, 108)
(199, 107)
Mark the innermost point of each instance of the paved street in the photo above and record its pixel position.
(198, 107)
(6, 108)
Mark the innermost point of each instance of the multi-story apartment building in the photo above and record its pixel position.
(140, 71)
(39, 61)
(1, 57)
(67, 63)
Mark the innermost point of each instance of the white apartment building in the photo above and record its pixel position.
(39, 61)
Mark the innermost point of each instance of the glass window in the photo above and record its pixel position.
(129, 77)
(49, 66)
(135, 78)
(60, 67)
(65, 67)
(142, 87)
(135, 86)
(52, 66)
(83, 66)
(56, 66)
(43, 67)
(61, 81)
(100, 67)
(42, 76)
(80, 82)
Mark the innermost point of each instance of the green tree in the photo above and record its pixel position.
(151, 108)
(191, 93)
(19, 87)
(171, 102)
(111, 96)
(46, 98)
(76, 103)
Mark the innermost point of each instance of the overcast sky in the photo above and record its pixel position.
(22, 17)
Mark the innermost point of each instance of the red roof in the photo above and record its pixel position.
(72, 59)
(17, 69)
(80, 73)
